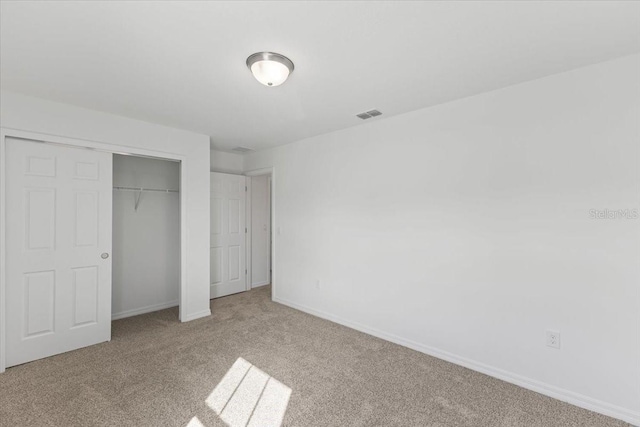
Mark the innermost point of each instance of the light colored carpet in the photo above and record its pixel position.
(159, 372)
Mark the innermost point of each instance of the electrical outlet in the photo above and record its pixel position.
(553, 339)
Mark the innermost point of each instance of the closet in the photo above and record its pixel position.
(91, 236)
(146, 235)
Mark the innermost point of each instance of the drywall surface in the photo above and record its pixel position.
(50, 118)
(224, 162)
(146, 240)
(467, 230)
(260, 231)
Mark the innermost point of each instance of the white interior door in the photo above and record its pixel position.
(228, 234)
(58, 244)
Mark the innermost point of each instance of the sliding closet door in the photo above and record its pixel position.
(228, 234)
(58, 245)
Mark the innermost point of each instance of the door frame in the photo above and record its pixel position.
(258, 172)
(94, 145)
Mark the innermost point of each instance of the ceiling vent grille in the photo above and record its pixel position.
(242, 149)
(369, 114)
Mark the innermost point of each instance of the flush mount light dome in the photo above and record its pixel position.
(270, 69)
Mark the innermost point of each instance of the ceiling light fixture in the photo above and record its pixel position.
(270, 69)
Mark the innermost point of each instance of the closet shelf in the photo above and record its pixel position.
(140, 190)
(160, 190)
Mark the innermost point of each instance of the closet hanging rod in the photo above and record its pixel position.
(159, 190)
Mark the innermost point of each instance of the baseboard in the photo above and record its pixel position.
(564, 395)
(197, 315)
(143, 310)
(257, 285)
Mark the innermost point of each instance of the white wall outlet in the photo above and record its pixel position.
(553, 339)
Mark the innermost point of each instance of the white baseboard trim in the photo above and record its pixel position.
(143, 310)
(197, 315)
(257, 285)
(564, 395)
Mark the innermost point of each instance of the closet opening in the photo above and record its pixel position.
(146, 235)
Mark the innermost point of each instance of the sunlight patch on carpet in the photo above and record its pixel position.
(247, 396)
(195, 422)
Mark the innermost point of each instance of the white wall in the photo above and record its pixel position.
(260, 231)
(224, 162)
(463, 231)
(51, 118)
(146, 241)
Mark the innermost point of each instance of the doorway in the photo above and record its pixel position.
(241, 237)
(261, 235)
(146, 235)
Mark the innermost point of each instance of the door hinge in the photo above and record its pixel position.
(245, 272)
(245, 230)
(245, 188)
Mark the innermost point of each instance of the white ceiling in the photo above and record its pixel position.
(182, 64)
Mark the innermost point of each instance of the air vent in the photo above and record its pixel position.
(242, 149)
(369, 114)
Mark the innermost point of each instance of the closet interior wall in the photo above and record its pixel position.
(146, 240)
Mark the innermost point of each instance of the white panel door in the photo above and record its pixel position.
(58, 245)
(228, 232)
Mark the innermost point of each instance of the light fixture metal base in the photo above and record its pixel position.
(270, 56)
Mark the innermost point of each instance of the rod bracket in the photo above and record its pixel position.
(138, 196)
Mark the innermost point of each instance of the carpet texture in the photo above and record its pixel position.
(157, 371)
